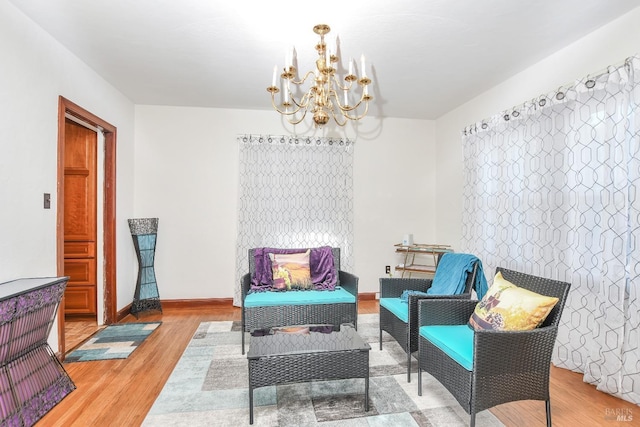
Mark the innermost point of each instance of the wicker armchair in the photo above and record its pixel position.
(263, 317)
(404, 332)
(506, 365)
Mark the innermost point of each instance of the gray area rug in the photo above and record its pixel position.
(208, 387)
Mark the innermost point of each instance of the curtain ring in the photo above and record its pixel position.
(628, 63)
(560, 94)
(590, 83)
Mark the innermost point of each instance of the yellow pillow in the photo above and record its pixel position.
(291, 271)
(506, 307)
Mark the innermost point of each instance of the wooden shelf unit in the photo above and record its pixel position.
(427, 261)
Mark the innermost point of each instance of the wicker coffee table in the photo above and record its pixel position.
(321, 353)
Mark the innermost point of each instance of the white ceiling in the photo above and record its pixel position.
(426, 56)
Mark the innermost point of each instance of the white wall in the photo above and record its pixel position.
(187, 175)
(36, 70)
(186, 163)
(608, 45)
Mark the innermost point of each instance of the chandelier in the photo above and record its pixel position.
(322, 98)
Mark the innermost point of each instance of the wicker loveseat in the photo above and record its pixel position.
(262, 310)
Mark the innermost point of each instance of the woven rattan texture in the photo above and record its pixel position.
(395, 327)
(507, 365)
(291, 368)
(447, 371)
(289, 358)
(406, 334)
(268, 317)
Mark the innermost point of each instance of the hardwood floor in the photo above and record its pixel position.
(121, 392)
(77, 330)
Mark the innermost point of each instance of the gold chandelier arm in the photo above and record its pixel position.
(364, 113)
(285, 112)
(289, 114)
(343, 113)
(363, 98)
(334, 94)
(295, 122)
(335, 117)
(345, 87)
(345, 110)
(304, 101)
(304, 79)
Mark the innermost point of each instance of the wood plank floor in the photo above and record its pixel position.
(77, 330)
(121, 392)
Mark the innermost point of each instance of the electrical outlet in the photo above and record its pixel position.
(387, 269)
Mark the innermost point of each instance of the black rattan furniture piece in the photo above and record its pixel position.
(265, 317)
(507, 365)
(406, 333)
(283, 358)
(32, 380)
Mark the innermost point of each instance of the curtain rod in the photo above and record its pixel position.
(541, 100)
(296, 140)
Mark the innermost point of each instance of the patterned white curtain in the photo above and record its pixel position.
(552, 188)
(295, 192)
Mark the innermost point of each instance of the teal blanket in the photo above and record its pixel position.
(451, 275)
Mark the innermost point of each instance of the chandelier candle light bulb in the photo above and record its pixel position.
(322, 95)
(285, 89)
(275, 75)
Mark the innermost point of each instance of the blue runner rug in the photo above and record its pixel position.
(113, 342)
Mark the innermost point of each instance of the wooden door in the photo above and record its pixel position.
(80, 212)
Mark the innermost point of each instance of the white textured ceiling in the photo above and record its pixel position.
(426, 56)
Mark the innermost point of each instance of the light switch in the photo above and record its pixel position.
(47, 200)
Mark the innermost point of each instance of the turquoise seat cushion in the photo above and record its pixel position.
(455, 340)
(396, 306)
(272, 299)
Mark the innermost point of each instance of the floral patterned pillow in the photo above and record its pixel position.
(507, 307)
(291, 271)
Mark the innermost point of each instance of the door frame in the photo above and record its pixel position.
(109, 210)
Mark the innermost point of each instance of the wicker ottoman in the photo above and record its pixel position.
(283, 358)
